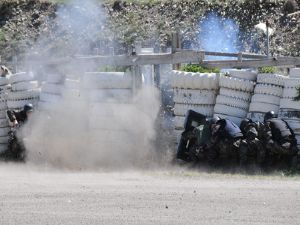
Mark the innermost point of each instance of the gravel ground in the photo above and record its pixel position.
(31, 195)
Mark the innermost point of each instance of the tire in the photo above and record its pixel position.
(289, 104)
(3, 148)
(271, 99)
(52, 88)
(186, 96)
(295, 73)
(263, 107)
(50, 98)
(269, 78)
(289, 93)
(54, 79)
(3, 105)
(114, 95)
(236, 120)
(72, 84)
(3, 123)
(246, 96)
(3, 81)
(4, 131)
(4, 140)
(230, 111)
(294, 124)
(179, 122)
(181, 109)
(236, 84)
(256, 117)
(268, 89)
(289, 114)
(3, 114)
(20, 103)
(107, 80)
(234, 102)
(198, 81)
(23, 86)
(292, 83)
(21, 77)
(243, 74)
(20, 95)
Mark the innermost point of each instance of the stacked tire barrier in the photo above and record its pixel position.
(266, 97)
(4, 127)
(196, 91)
(235, 94)
(109, 94)
(24, 89)
(51, 91)
(289, 106)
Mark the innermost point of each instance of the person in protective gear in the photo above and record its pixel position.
(16, 149)
(194, 137)
(20, 117)
(280, 141)
(226, 137)
(251, 149)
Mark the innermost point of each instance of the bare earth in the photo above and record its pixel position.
(40, 196)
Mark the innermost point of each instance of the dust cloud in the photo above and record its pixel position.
(78, 132)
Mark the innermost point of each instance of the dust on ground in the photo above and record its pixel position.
(35, 195)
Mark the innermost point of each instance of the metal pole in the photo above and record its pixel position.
(268, 39)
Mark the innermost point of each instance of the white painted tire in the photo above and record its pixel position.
(263, 107)
(19, 95)
(20, 103)
(110, 95)
(3, 114)
(72, 84)
(230, 111)
(256, 116)
(289, 93)
(23, 86)
(246, 96)
(44, 97)
(179, 122)
(107, 80)
(243, 74)
(54, 79)
(294, 124)
(181, 109)
(272, 99)
(289, 114)
(4, 131)
(3, 148)
(187, 80)
(269, 78)
(236, 120)
(289, 104)
(52, 88)
(21, 77)
(292, 83)
(187, 96)
(3, 105)
(3, 123)
(295, 73)
(236, 84)
(234, 102)
(4, 140)
(3, 81)
(268, 89)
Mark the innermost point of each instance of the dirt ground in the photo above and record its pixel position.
(31, 195)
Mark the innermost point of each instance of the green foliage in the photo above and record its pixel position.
(267, 69)
(199, 69)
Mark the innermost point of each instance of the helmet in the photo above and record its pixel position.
(269, 115)
(244, 124)
(214, 120)
(28, 108)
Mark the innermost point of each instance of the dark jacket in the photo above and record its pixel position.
(20, 116)
(228, 130)
(279, 129)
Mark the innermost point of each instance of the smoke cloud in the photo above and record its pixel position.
(89, 126)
